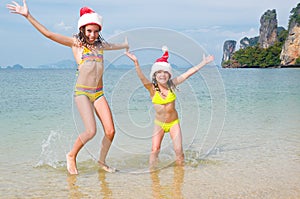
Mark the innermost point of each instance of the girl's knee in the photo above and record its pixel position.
(87, 135)
(110, 133)
(155, 149)
(90, 133)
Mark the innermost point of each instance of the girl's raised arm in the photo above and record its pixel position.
(110, 46)
(181, 78)
(23, 10)
(146, 82)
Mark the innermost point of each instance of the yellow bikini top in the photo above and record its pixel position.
(87, 54)
(157, 99)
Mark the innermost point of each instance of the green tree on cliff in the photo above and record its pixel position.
(295, 16)
(259, 57)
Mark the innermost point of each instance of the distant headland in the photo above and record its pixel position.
(63, 64)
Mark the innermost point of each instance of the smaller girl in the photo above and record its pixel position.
(162, 92)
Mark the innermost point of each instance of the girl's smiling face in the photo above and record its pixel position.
(162, 77)
(92, 32)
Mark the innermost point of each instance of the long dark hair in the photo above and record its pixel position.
(82, 39)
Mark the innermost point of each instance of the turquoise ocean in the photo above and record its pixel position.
(241, 131)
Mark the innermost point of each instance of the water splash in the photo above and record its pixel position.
(51, 151)
(195, 158)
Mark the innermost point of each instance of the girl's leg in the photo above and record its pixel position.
(158, 134)
(87, 115)
(176, 136)
(105, 116)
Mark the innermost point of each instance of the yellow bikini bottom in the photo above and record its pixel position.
(92, 93)
(166, 126)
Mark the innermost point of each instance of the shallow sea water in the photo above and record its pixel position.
(240, 129)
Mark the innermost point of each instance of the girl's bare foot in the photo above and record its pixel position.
(106, 168)
(71, 165)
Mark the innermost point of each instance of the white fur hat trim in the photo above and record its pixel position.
(90, 18)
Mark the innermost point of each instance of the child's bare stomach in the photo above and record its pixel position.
(167, 117)
(90, 74)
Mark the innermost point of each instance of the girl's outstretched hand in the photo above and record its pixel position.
(17, 9)
(131, 56)
(207, 59)
(126, 43)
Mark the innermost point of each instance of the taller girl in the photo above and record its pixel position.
(87, 47)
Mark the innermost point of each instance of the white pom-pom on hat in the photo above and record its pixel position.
(162, 63)
(164, 49)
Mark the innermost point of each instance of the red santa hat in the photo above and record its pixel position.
(162, 63)
(89, 16)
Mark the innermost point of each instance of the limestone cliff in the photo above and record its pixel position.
(267, 37)
(228, 49)
(268, 29)
(291, 48)
(246, 42)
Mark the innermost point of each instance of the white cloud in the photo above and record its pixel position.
(238, 34)
(62, 26)
(198, 30)
(224, 32)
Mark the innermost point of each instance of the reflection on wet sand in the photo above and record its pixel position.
(106, 192)
(173, 190)
(74, 191)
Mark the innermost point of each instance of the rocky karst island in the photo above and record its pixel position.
(274, 47)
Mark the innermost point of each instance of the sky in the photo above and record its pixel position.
(207, 23)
